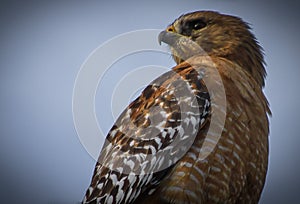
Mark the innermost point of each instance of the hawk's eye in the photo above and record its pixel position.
(197, 24)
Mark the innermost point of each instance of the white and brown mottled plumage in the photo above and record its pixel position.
(167, 118)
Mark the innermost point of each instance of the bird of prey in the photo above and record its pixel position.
(198, 133)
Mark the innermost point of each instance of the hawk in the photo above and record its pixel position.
(198, 133)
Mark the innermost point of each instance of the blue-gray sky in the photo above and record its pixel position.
(43, 45)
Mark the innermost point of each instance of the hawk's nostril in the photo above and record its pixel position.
(170, 29)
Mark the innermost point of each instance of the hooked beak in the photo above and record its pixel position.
(168, 37)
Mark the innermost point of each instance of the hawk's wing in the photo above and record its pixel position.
(150, 136)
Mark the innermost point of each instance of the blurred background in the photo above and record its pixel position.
(44, 44)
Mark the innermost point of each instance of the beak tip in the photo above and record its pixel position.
(167, 37)
(160, 37)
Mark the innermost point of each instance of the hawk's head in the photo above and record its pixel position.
(214, 34)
